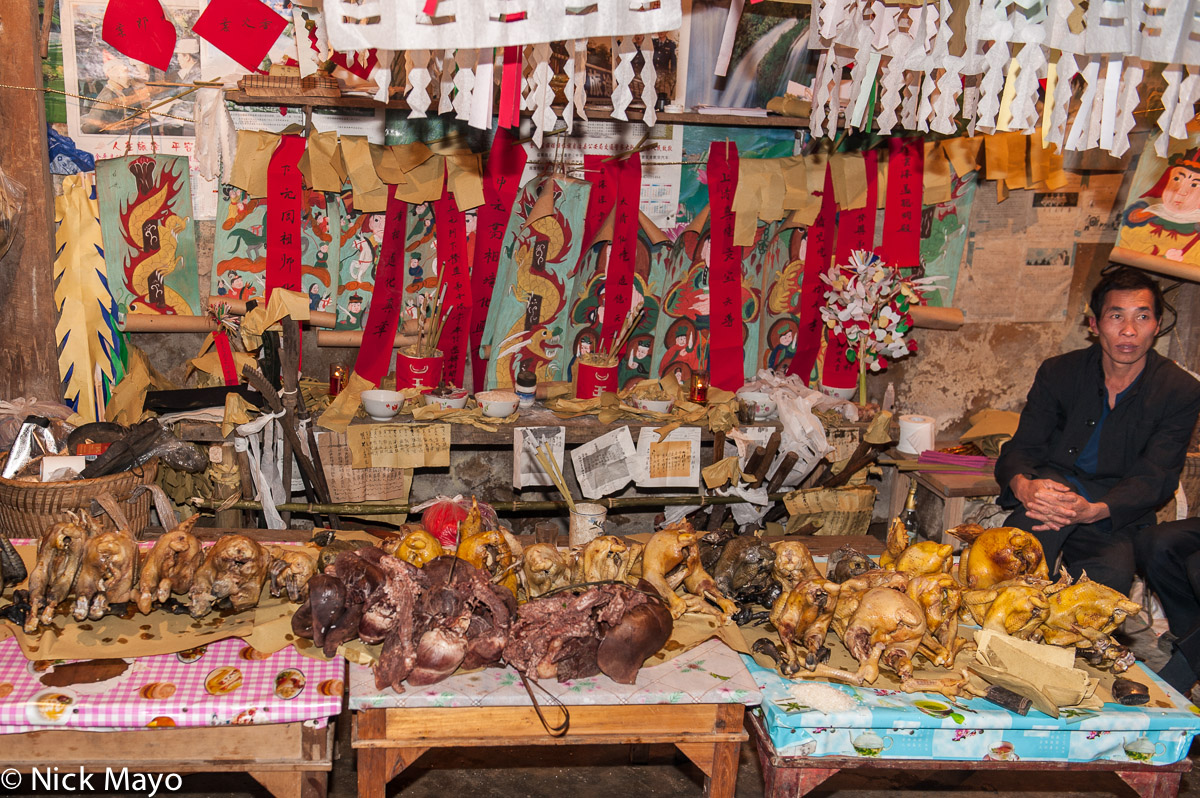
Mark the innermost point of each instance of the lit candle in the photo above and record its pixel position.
(699, 388)
(337, 379)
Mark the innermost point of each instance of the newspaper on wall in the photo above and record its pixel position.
(527, 471)
(604, 465)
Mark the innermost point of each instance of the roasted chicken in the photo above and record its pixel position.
(106, 573)
(997, 555)
(802, 617)
(1015, 607)
(544, 568)
(793, 564)
(925, 557)
(60, 553)
(675, 547)
(1084, 615)
(939, 597)
(235, 568)
(170, 566)
(290, 571)
(418, 547)
(605, 558)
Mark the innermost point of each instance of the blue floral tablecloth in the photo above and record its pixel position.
(895, 725)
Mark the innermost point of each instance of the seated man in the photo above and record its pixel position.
(1169, 556)
(1102, 438)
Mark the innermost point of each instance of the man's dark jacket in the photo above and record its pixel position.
(1143, 444)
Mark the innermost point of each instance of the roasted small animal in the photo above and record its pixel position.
(793, 564)
(170, 566)
(997, 555)
(1084, 615)
(290, 571)
(544, 568)
(802, 617)
(106, 574)
(675, 547)
(743, 571)
(606, 558)
(235, 568)
(60, 553)
(418, 547)
(847, 563)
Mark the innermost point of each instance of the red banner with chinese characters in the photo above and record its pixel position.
(242, 29)
(601, 199)
(229, 370)
(285, 198)
(140, 30)
(856, 229)
(626, 174)
(501, 182)
(387, 297)
(455, 277)
(725, 352)
(812, 290)
(902, 211)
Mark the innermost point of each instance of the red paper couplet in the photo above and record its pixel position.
(856, 229)
(726, 351)
(453, 262)
(816, 263)
(229, 370)
(601, 199)
(140, 30)
(622, 252)
(284, 200)
(501, 183)
(387, 297)
(510, 87)
(902, 211)
(242, 29)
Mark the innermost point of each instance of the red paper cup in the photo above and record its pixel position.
(591, 381)
(418, 372)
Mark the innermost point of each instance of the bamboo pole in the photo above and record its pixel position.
(930, 318)
(501, 507)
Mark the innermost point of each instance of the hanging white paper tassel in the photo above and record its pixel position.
(446, 85)
(580, 97)
(622, 77)
(418, 83)
(541, 94)
(1066, 69)
(1079, 127)
(1130, 82)
(568, 114)
(1173, 76)
(649, 80)
(464, 82)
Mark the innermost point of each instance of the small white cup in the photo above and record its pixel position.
(587, 522)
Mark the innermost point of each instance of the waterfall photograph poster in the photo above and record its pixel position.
(770, 48)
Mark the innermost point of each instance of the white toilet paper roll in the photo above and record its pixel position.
(916, 434)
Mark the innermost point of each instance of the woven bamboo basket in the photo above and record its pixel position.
(27, 509)
(839, 511)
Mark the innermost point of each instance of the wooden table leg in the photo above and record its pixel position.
(1152, 785)
(296, 784)
(378, 766)
(718, 761)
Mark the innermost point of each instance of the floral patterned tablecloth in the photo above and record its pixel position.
(893, 725)
(226, 682)
(711, 673)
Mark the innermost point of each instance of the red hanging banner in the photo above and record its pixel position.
(453, 275)
(725, 353)
(601, 198)
(812, 290)
(510, 87)
(902, 211)
(626, 174)
(501, 182)
(387, 297)
(285, 197)
(856, 229)
(229, 370)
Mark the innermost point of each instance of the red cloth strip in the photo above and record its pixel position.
(229, 370)
(501, 183)
(454, 274)
(902, 211)
(626, 174)
(856, 229)
(510, 87)
(601, 199)
(812, 291)
(726, 351)
(387, 297)
(430, 7)
(285, 195)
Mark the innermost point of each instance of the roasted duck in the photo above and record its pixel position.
(106, 573)
(170, 566)
(60, 553)
(997, 555)
(235, 568)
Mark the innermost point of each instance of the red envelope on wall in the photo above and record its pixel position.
(140, 30)
(242, 29)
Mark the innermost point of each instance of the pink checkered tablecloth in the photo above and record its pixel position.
(223, 683)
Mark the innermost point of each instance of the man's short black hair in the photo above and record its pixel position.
(1126, 278)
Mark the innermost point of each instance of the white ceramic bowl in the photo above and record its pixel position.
(452, 401)
(761, 405)
(498, 404)
(653, 405)
(382, 405)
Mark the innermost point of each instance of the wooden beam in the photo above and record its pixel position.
(29, 364)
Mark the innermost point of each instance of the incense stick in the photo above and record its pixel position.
(627, 328)
(550, 465)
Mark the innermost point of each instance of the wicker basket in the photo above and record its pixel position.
(27, 509)
(840, 511)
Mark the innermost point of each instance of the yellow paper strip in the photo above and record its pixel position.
(254, 150)
(795, 182)
(399, 445)
(963, 153)
(321, 163)
(1004, 119)
(937, 181)
(424, 181)
(386, 165)
(370, 193)
(1016, 160)
(1048, 104)
(996, 149)
(464, 173)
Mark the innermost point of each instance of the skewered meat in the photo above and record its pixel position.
(170, 566)
(793, 564)
(60, 553)
(997, 555)
(1084, 615)
(606, 558)
(670, 548)
(802, 617)
(543, 569)
(939, 597)
(290, 571)
(234, 568)
(106, 573)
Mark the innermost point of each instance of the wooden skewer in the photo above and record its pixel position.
(551, 467)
